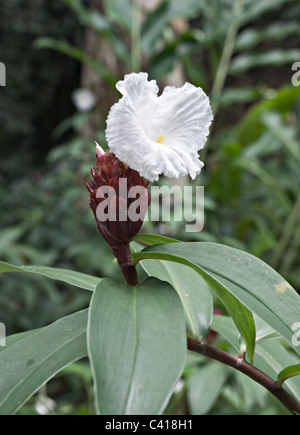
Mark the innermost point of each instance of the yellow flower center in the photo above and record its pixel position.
(160, 138)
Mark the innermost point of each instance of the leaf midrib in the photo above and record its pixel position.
(192, 323)
(213, 275)
(135, 352)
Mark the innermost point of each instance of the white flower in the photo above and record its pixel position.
(159, 135)
(83, 99)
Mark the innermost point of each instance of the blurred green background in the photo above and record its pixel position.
(62, 60)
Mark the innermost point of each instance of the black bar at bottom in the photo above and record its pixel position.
(153, 423)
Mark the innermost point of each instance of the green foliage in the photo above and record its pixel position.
(252, 282)
(40, 356)
(241, 53)
(141, 323)
(129, 328)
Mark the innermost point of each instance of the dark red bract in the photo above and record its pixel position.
(118, 232)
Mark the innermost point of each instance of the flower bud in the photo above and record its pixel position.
(118, 212)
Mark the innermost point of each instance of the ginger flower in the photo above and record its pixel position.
(157, 135)
(113, 191)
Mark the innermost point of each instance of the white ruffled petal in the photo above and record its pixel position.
(159, 135)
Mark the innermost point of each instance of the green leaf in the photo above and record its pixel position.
(255, 10)
(89, 17)
(251, 127)
(77, 279)
(287, 373)
(275, 123)
(136, 345)
(255, 284)
(273, 58)
(205, 386)
(224, 325)
(197, 256)
(277, 31)
(30, 362)
(157, 20)
(271, 356)
(12, 339)
(153, 239)
(193, 291)
(120, 12)
(153, 27)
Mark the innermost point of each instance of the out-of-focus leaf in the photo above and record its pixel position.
(89, 17)
(274, 123)
(77, 279)
(251, 126)
(238, 96)
(267, 179)
(205, 386)
(120, 12)
(271, 356)
(249, 38)
(157, 20)
(245, 62)
(254, 9)
(153, 239)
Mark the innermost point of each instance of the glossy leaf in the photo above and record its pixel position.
(137, 346)
(271, 356)
(260, 288)
(30, 362)
(287, 373)
(153, 239)
(188, 254)
(77, 279)
(193, 291)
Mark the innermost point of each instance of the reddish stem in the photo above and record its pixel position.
(241, 365)
(122, 254)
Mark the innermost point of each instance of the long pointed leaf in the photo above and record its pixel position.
(259, 287)
(29, 363)
(185, 253)
(77, 279)
(137, 346)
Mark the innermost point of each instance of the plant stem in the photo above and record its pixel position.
(227, 53)
(224, 63)
(243, 366)
(136, 55)
(130, 274)
(122, 253)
